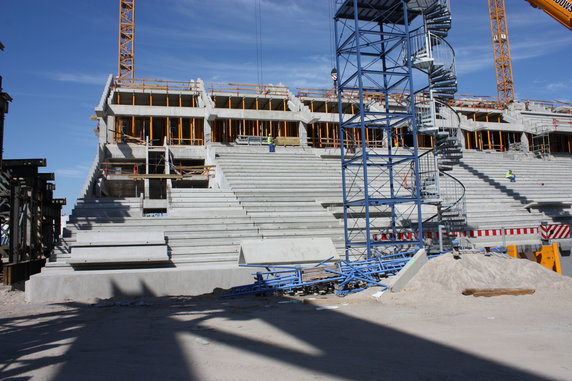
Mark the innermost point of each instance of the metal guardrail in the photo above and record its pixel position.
(193, 170)
(251, 140)
(120, 168)
(155, 84)
(247, 89)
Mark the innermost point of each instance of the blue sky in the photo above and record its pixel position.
(59, 52)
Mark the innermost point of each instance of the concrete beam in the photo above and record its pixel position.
(134, 283)
(258, 114)
(408, 271)
(286, 251)
(99, 238)
(159, 111)
(118, 254)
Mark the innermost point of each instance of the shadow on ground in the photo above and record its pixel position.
(136, 340)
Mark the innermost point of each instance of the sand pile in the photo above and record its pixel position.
(479, 271)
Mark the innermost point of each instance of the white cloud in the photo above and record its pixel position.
(81, 78)
(78, 171)
(538, 46)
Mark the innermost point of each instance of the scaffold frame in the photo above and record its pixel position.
(380, 193)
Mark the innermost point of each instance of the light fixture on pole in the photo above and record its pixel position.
(334, 75)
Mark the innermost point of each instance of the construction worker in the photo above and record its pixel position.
(455, 246)
(509, 175)
(270, 142)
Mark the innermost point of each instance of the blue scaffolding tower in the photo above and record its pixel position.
(379, 150)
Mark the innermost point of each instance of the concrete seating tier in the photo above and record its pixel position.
(298, 194)
(281, 192)
(201, 225)
(494, 202)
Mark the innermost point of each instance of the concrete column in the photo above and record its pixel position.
(303, 134)
(109, 129)
(207, 132)
(462, 139)
(102, 133)
(147, 188)
(525, 144)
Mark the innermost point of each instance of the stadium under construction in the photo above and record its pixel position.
(184, 185)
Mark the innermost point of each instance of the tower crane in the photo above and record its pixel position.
(501, 51)
(126, 40)
(560, 10)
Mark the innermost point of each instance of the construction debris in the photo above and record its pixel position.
(341, 277)
(497, 291)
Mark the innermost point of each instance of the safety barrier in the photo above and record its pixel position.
(554, 231)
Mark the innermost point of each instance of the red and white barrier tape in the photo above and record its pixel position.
(546, 231)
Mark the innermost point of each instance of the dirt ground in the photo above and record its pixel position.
(428, 332)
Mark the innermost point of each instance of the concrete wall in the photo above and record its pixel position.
(89, 285)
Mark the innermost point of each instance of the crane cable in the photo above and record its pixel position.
(331, 8)
(258, 22)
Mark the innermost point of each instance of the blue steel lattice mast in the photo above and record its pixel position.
(379, 152)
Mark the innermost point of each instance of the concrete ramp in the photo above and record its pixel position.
(286, 251)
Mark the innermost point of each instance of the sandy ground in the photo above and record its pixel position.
(428, 332)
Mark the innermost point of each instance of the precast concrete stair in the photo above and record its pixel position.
(201, 226)
(281, 192)
(106, 207)
(217, 225)
(88, 211)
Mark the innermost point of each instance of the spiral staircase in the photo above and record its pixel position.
(432, 55)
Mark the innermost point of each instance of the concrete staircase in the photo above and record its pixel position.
(88, 213)
(282, 192)
(201, 225)
(206, 225)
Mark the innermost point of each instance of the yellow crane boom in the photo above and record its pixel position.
(560, 10)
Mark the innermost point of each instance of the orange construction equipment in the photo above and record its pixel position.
(126, 67)
(501, 50)
(560, 10)
(548, 256)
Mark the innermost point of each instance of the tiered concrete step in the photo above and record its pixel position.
(201, 225)
(494, 202)
(220, 223)
(281, 192)
(86, 212)
(203, 201)
(106, 207)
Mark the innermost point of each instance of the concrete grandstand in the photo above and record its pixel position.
(186, 166)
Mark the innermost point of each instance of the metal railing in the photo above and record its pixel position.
(120, 168)
(426, 46)
(155, 84)
(193, 170)
(247, 89)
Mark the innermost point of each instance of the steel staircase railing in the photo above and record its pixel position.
(435, 57)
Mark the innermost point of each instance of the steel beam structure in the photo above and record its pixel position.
(30, 217)
(374, 69)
